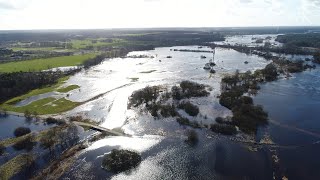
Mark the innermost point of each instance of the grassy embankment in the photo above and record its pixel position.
(15, 165)
(48, 105)
(44, 64)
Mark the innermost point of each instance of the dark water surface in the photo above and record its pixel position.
(294, 110)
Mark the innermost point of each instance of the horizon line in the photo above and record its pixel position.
(150, 28)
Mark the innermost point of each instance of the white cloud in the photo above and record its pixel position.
(47, 14)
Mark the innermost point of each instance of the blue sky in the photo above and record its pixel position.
(91, 14)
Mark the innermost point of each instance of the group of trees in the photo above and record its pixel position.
(190, 108)
(300, 40)
(2, 149)
(21, 131)
(176, 38)
(63, 136)
(316, 58)
(192, 137)
(120, 160)
(188, 89)
(18, 83)
(246, 115)
(154, 98)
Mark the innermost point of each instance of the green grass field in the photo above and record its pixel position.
(43, 64)
(81, 44)
(35, 49)
(68, 88)
(38, 91)
(47, 105)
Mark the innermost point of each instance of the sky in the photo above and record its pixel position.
(99, 14)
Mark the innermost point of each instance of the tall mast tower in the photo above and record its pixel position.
(213, 53)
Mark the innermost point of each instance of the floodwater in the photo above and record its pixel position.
(292, 105)
(31, 99)
(116, 79)
(250, 40)
(10, 123)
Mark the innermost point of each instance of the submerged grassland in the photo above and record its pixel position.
(48, 105)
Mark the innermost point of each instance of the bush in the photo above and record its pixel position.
(183, 121)
(316, 58)
(120, 160)
(192, 137)
(224, 129)
(294, 67)
(144, 95)
(220, 120)
(28, 115)
(168, 110)
(270, 72)
(193, 89)
(248, 117)
(26, 143)
(191, 109)
(21, 131)
(176, 93)
(2, 149)
(165, 110)
(229, 99)
(51, 120)
(194, 124)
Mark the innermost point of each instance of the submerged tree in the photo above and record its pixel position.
(121, 160)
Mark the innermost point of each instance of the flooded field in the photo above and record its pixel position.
(251, 40)
(115, 80)
(104, 91)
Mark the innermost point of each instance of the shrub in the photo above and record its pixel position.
(145, 95)
(193, 89)
(3, 112)
(230, 98)
(270, 72)
(195, 124)
(192, 137)
(2, 149)
(224, 129)
(294, 67)
(76, 118)
(26, 143)
(176, 93)
(191, 109)
(248, 117)
(21, 131)
(220, 120)
(316, 58)
(27, 115)
(183, 121)
(51, 120)
(120, 160)
(165, 110)
(168, 110)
